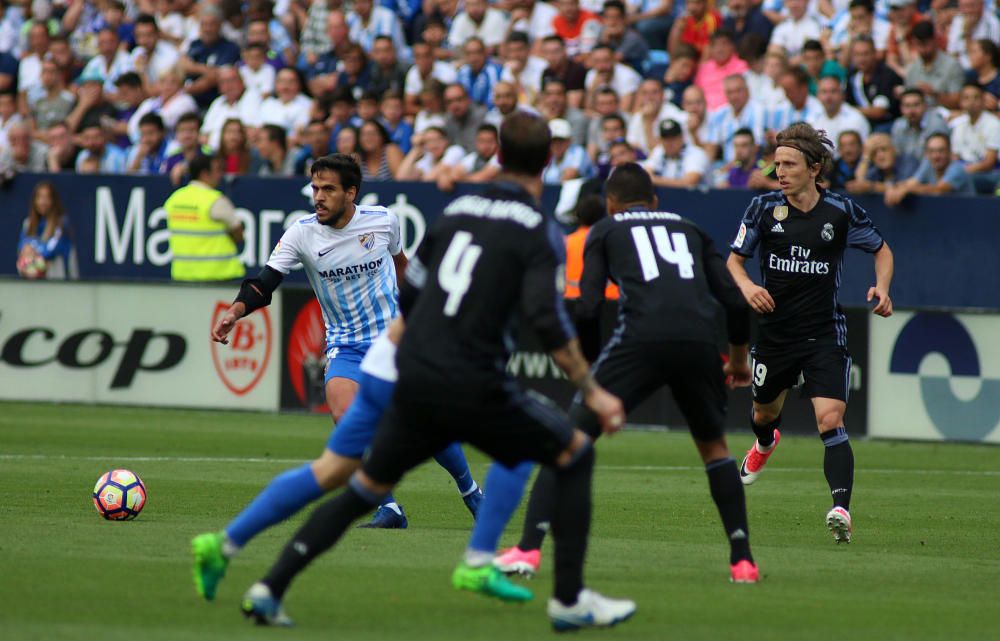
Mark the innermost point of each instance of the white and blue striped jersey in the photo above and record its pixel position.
(723, 125)
(784, 114)
(350, 270)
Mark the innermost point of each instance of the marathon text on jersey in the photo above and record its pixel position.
(351, 269)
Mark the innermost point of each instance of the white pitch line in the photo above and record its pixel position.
(618, 468)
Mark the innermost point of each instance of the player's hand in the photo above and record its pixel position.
(759, 299)
(226, 324)
(737, 373)
(608, 407)
(884, 306)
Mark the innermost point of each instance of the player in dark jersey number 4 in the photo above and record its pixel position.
(801, 233)
(485, 259)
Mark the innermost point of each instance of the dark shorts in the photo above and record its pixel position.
(825, 368)
(515, 427)
(632, 371)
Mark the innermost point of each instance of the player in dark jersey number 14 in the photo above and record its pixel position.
(801, 233)
(672, 281)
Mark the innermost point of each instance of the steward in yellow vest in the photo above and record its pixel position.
(203, 227)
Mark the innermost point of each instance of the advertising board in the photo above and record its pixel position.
(134, 345)
(936, 376)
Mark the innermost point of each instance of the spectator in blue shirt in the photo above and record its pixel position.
(479, 74)
(203, 58)
(110, 159)
(938, 173)
(149, 155)
(400, 131)
(46, 234)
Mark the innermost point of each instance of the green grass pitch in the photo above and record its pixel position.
(924, 563)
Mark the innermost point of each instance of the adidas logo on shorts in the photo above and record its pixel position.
(778, 228)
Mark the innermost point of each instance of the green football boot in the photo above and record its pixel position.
(489, 581)
(209, 563)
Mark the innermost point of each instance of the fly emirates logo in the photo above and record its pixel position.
(798, 262)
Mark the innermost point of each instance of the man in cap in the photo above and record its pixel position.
(673, 163)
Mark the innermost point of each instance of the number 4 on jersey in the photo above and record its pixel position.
(455, 271)
(676, 253)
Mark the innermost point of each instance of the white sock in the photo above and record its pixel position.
(765, 450)
(394, 507)
(477, 558)
(229, 549)
(471, 490)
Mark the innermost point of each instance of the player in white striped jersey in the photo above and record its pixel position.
(351, 255)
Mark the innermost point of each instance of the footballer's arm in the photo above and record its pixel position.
(758, 297)
(254, 293)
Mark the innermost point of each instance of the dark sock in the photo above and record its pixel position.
(571, 524)
(323, 529)
(765, 433)
(727, 492)
(838, 465)
(539, 512)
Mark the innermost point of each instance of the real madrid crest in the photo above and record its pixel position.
(827, 232)
(780, 213)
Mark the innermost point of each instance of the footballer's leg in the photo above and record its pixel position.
(624, 371)
(773, 373)
(294, 489)
(696, 382)
(530, 427)
(397, 448)
(477, 573)
(827, 381)
(838, 465)
(343, 372)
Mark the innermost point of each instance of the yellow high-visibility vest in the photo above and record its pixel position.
(202, 247)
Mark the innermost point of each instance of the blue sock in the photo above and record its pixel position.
(288, 493)
(452, 458)
(504, 490)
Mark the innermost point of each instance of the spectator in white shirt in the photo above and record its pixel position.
(170, 101)
(110, 61)
(481, 164)
(739, 112)
(837, 117)
(479, 20)
(29, 69)
(673, 163)
(643, 130)
(606, 71)
(521, 68)
(971, 23)
(152, 55)
(975, 139)
(431, 157)
(257, 74)
(792, 33)
(289, 107)
(367, 21)
(425, 68)
(235, 101)
(505, 103)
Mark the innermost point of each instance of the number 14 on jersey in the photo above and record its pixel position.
(675, 253)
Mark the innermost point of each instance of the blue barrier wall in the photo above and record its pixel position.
(946, 247)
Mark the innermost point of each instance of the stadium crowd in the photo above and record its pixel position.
(906, 90)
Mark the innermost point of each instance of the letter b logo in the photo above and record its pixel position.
(243, 339)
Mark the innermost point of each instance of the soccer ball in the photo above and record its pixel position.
(119, 495)
(30, 264)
